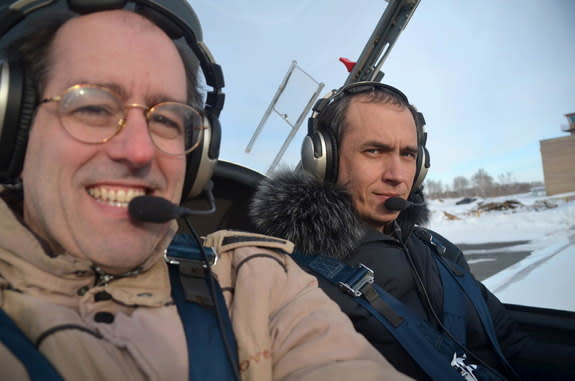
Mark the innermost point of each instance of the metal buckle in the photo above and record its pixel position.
(363, 275)
(193, 256)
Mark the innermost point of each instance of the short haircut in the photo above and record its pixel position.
(334, 116)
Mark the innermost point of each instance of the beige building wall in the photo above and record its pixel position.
(558, 156)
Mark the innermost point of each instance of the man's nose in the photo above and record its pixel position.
(133, 143)
(395, 169)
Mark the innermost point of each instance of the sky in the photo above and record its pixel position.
(542, 279)
(492, 78)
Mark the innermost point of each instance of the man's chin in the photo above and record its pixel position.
(385, 219)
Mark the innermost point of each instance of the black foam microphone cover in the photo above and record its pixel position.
(396, 203)
(153, 209)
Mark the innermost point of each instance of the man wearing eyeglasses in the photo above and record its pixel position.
(354, 215)
(107, 110)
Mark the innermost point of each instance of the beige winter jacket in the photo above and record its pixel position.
(129, 329)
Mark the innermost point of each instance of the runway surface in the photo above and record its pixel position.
(486, 259)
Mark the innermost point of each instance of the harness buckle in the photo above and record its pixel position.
(361, 276)
(177, 254)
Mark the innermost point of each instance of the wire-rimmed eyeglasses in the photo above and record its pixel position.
(94, 114)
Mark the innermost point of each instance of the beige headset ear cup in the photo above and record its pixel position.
(313, 158)
(200, 164)
(319, 155)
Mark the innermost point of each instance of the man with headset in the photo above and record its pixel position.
(354, 216)
(100, 105)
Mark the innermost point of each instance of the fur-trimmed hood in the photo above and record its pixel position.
(318, 217)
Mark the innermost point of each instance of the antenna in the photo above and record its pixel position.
(281, 109)
(394, 19)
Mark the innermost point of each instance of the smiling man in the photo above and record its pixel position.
(100, 103)
(77, 184)
(355, 214)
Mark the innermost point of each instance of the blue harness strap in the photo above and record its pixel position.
(454, 311)
(465, 282)
(207, 356)
(429, 349)
(36, 364)
(432, 350)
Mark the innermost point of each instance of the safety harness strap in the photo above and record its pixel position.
(465, 281)
(432, 350)
(428, 348)
(206, 336)
(454, 311)
(207, 357)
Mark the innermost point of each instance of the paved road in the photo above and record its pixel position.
(486, 259)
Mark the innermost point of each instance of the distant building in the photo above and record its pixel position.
(558, 156)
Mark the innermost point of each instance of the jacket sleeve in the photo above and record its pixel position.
(532, 359)
(287, 328)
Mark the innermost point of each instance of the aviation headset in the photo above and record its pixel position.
(18, 99)
(319, 152)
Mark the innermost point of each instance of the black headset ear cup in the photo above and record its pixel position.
(200, 163)
(332, 157)
(319, 155)
(20, 105)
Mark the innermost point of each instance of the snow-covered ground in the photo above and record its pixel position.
(545, 278)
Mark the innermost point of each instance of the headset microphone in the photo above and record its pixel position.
(153, 209)
(158, 210)
(399, 204)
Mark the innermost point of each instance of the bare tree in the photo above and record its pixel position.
(434, 188)
(460, 185)
(482, 183)
(506, 178)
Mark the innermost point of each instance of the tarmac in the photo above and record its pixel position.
(486, 259)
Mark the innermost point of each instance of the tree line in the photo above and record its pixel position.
(481, 184)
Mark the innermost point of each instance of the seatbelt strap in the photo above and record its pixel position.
(454, 302)
(207, 355)
(468, 285)
(36, 364)
(430, 349)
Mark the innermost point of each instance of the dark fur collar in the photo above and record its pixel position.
(318, 217)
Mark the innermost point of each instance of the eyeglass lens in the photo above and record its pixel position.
(94, 115)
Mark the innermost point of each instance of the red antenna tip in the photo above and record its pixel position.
(348, 64)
